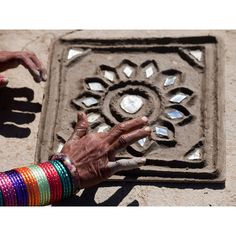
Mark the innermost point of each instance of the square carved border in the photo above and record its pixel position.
(192, 148)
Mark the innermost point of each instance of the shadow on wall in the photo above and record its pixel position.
(87, 198)
(17, 109)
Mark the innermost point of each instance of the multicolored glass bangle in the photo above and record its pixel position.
(8, 191)
(65, 178)
(54, 181)
(35, 185)
(69, 164)
(19, 186)
(68, 179)
(32, 186)
(42, 183)
(63, 181)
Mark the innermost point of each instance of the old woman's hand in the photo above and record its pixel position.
(93, 154)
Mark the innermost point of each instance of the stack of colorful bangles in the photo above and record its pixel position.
(36, 185)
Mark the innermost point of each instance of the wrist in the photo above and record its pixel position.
(70, 166)
(35, 185)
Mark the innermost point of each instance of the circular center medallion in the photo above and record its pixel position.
(131, 99)
(131, 103)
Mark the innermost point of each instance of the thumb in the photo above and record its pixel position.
(124, 164)
(81, 126)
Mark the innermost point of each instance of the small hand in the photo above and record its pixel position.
(29, 60)
(94, 153)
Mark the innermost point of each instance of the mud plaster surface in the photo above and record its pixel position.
(130, 194)
(166, 158)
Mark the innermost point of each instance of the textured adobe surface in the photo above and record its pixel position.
(186, 142)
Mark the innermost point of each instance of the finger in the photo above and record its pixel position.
(126, 127)
(3, 81)
(17, 118)
(28, 106)
(43, 74)
(32, 68)
(127, 139)
(23, 92)
(81, 126)
(123, 164)
(38, 63)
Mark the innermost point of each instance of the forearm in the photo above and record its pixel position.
(36, 185)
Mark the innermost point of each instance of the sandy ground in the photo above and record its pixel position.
(17, 152)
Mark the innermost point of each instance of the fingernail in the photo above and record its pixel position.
(148, 129)
(44, 75)
(141, 161)
(145, 119)
(37, 77)
(79, 116)
(37, 73)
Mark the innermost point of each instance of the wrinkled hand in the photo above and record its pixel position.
(94, 153)
(29, 60)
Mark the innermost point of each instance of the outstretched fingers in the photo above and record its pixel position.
(125, 140)
(123, 164)
(126, 127)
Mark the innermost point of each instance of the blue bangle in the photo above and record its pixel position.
(23, 188)
(19, 186)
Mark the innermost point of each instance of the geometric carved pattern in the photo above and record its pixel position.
(175, 84)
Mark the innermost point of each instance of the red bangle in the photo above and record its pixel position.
(8, 191)
(54, 181)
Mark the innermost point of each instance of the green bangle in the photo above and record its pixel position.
(62, 177)
(68, 178)
(65, 178)
(43, 184)
(1, 198)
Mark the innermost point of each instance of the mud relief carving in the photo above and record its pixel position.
(168, 82)
(140, 92)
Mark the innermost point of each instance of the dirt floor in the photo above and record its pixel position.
(18, 138)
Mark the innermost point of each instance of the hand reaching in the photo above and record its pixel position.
(94, 154)
(29, 60)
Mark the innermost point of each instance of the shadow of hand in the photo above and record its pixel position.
(17, 109)
(87, 198)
